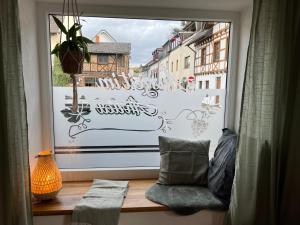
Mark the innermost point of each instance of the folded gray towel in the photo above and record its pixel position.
(102, 203)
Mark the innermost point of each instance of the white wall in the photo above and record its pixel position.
(204, 217)
(27, 12)
(245, 26)
(212, 78)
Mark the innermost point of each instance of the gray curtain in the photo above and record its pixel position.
(266, 186)
(15, 204)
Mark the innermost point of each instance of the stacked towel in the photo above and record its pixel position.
(101, 205)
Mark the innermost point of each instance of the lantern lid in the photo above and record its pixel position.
(44, 153)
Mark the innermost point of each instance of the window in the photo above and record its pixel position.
(217, 99)
(121, 60)
(203, 56)
(187, 62)
(218, 82)
(200, 84)
(207, 84)
(120, 115)
(216, 53)
(102, 59)
(89, 81)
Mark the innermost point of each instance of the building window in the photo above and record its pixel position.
(203, 56)
(177, 65)
(89, 81)
(218, 82)
(207, 84)
(216, 53)
(121, 60)
(102, 59)
(217, 99)
(200, 84)
(172, 67)
(187, 62)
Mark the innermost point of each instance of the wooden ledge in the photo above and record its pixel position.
(72, 192)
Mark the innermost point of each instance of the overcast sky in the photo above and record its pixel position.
(144, 35)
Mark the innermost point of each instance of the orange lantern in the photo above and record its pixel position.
(46, 178)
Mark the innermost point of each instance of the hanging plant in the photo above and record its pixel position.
(74, 49)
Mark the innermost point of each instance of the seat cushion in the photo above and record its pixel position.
(184, 199)
(183, 161)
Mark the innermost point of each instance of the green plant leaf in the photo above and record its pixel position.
(56, 49)
(73, 30)
(85, 40)
(87, 57)
(60, 24)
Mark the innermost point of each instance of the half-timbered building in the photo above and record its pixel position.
(108, 57)
(211, 46)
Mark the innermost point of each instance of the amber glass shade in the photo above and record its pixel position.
(46, 178)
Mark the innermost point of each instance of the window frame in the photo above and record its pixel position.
(203, 54)
(43, 9)
(216, 52)
(92, 82)
(218, 82)
(207, 84)
(121, 60)
(105, 62)
(187, 63)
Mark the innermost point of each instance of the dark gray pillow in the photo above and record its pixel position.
(183, 161)
(222, 167)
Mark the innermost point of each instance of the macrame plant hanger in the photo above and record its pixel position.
(69, 57)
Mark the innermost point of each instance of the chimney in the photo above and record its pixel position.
(97, 38)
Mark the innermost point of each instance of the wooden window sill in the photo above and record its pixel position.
(72, 192)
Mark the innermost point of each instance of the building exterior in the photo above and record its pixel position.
(211, 47)
(107, 57)
(54, 33)
(198, 53)
(175, 57)
(152, 67)
(181, 61)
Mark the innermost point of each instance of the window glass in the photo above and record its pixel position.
(207, 84)
(187, 62)
(216, 54)
(129, 94)
(102, 59)
(89, 81)
(218, 82)
(122, 60)
(203, 56)
(200, 84)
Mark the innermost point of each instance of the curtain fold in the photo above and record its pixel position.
(266, 185)
(15, 203)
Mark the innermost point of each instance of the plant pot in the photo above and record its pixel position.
(71, 61)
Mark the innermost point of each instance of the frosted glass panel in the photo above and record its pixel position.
(128, 117)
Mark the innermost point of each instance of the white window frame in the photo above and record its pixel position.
(44, 9)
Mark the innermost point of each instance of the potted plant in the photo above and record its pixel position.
(72, 53)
